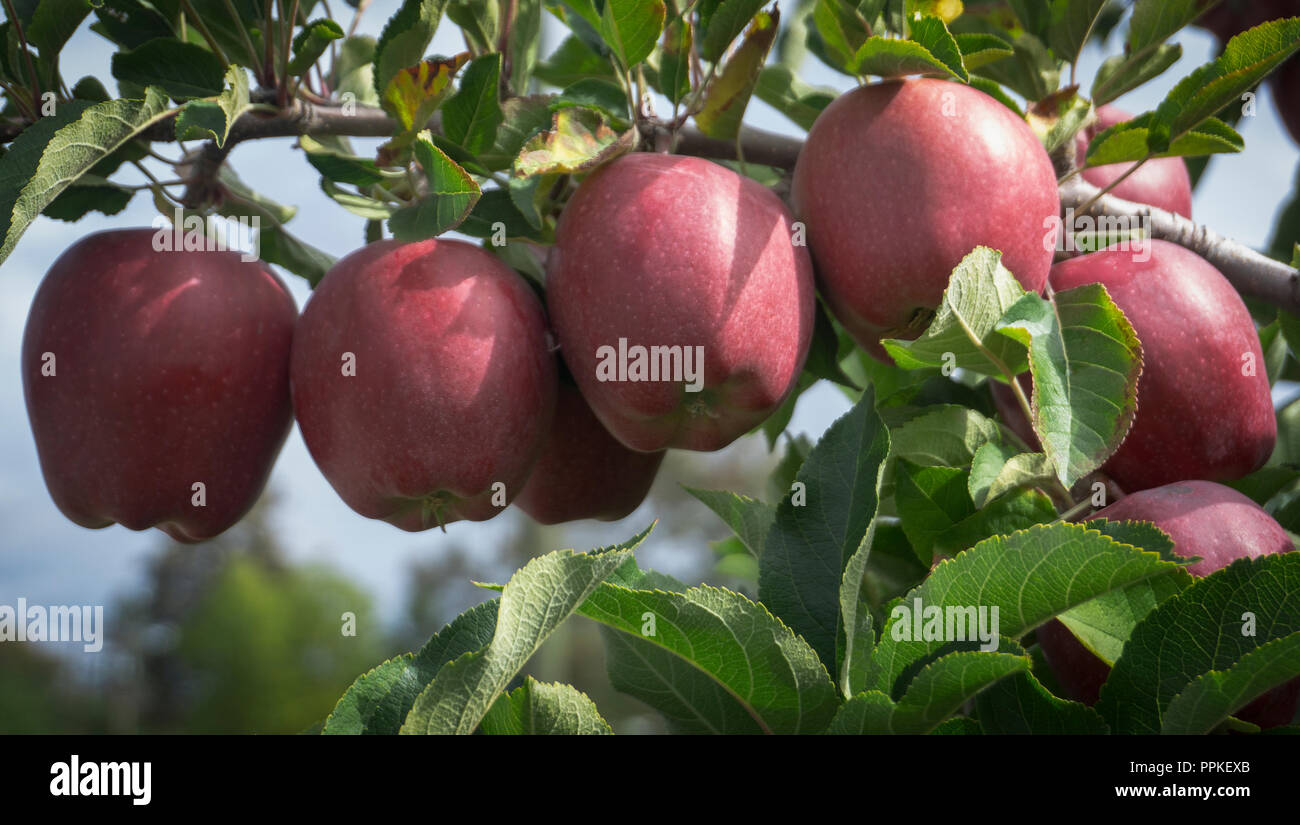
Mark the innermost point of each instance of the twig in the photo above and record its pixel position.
(27, 56)
(356, 16)
(243, 33)
(1250, 272)
(193, 16)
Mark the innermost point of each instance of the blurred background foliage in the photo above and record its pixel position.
(230, 637)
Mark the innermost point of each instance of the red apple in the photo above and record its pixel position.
(422, 381)
(583, 471)
(1286, 94)
(1205, 410)
(1162, 183)
(679, 263)
(157, 383)
(1204, 519)
(899, 180)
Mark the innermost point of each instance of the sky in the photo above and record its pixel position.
(48, 560)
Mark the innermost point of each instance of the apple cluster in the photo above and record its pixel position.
(432, 383)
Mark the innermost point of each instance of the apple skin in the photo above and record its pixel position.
(171, 369)
(1286, 94)
(898, 181)
(1162, 182)
(663, 250)
(1198, 417)
(454, 385)
(583, 471)
(1204, 519)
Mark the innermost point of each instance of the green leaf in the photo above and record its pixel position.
(479, 23)
(724, 24)
(1201, 629)
(452, 193)
(1021, 705)
(597, 94)
(820, 526)
(578, 141)
(571, 62)
(945, 435)
(525, 42)
(1155, 20)
(311, 42)
(1070, 24)
(536, 600)
(354, 70)
(405, 37)
(471, 116)
(938, 691)
(1085, 360)
(278, 246)
(1029, 577)
(888, 57)
(631, 28)
(1104, 624)
(358, 204)
(1123, 72)
(523, 118)
(981, 48)
(710, 660)
(199, 119)
(674, 80)
(779, 88)
(727, 95)
(88, 195)
(979, 292)
(824, 354)
(182, 70)
(498, 207)
(244, 201)
(1245, 60)
(1131, 141)
(749, 518)
(378, 701)
(52, 23)
(843, 30)
(1214, 696)
(544, 709)
(939, 516)
(129, 23)
(999, 468)
(54, 151)
(1030, 72)
(339, 166)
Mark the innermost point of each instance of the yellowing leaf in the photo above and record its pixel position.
(728, 94)
(414, 93)
(578, 140)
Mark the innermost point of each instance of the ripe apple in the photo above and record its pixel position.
(422, 381)
(1229, 18)
(683, 306)
(899, 180)
(157, 383)
(1162, 183)
(1204, 519)
(1286, 94)
(583, 471)
(1205, 410)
